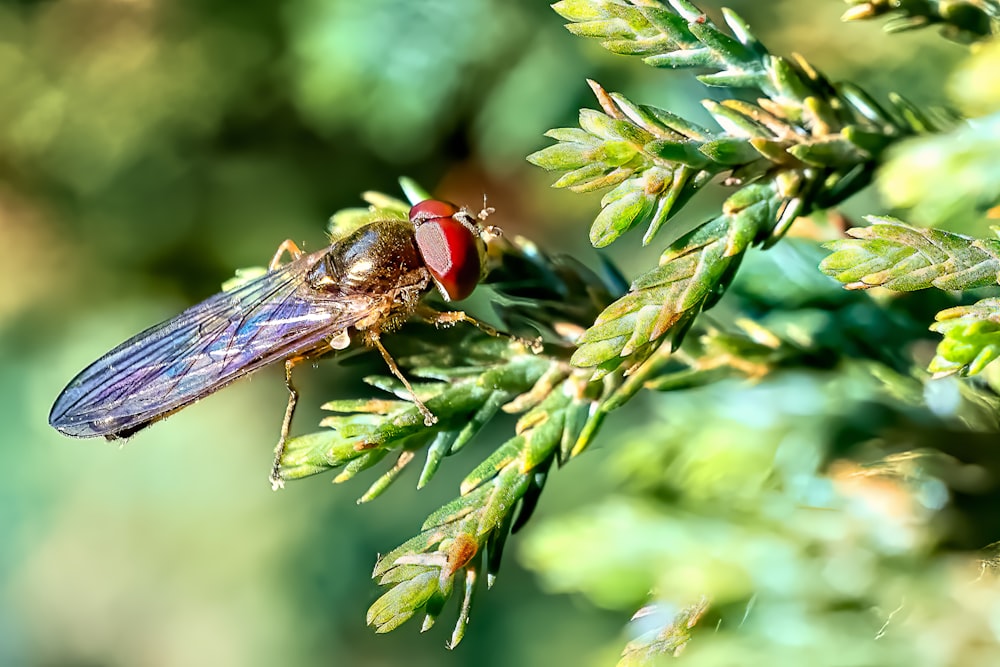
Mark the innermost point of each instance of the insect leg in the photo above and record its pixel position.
(429, 418)
(452, 317)
(277, 482)
(288, 246)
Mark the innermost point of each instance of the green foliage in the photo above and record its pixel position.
(950, 178)
(805, 144)
(900, 257)
(808, 515)
(971, 338)
(804, 558)
(976, 91)
(668, 639)
(753, 512)
(467, 380)
(801, 478)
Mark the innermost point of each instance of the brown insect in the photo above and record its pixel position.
(366, 284)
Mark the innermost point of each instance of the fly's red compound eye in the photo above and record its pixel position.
(450, 248)
(432, 208)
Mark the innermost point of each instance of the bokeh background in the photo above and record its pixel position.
(149, 148)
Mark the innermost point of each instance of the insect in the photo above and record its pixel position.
(364, 285)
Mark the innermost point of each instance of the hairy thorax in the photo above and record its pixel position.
(381, 260)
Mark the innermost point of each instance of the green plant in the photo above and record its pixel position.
(794, 487)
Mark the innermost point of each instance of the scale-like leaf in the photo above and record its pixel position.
(898, 256)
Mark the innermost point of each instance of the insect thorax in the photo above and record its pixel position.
(376, 257)
(379, 263)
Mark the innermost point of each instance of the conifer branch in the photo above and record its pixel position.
(819, 485)
(467, 379)
(667, 640)
(962, 21)
(971, 338)
(667, 298)
(806, 144)
(466, 537)
(900, 257)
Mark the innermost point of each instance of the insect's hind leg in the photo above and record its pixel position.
(277, 481)
(452, 317)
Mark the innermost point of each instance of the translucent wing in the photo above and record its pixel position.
(171, 365)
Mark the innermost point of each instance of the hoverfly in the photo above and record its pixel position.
(366, 284)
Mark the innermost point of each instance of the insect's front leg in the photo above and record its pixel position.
(452, 317)
(288, 246)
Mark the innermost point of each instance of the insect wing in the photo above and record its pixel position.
(271, 318)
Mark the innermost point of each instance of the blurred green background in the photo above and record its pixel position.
(149, 148)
